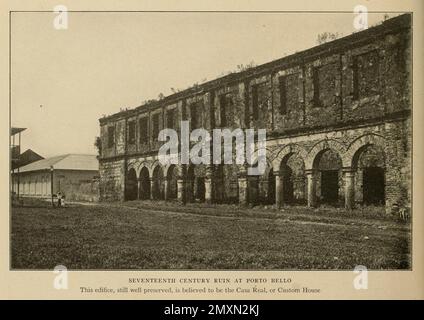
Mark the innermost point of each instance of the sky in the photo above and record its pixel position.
(63, 81)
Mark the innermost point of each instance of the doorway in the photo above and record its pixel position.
(373, 184)
(330, 186)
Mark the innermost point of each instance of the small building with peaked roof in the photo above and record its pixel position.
(26, 157)
(73, 175)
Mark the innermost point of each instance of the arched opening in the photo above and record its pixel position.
(288, 188)
(200, 189)
(231, 186)
(261, 188)
(370, 180)
(195, 183)
(270, 196)
(292, 170)
(225, 183)
(131, 185)
(158, 190)
(218, 184)
(144, 191)
(373, 186)
(172, 178)
(330, 180)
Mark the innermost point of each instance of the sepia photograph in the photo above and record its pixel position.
(211, 140)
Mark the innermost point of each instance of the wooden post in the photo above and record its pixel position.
(51, 184)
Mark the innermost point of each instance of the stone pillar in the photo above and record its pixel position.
(349, 182)
(209, 184)
(165, 190)
(242, 186)
(208, 189)
(279, 190)
(138, 189)
(152, 189)
(312, 193)
(180, 190)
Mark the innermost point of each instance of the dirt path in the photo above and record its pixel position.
(282, 219)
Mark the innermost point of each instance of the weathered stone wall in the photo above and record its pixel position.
(112, 180)
(340, 96)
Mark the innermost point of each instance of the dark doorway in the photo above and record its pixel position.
(172, 182)
(200, 189)
(271, 188)
(329, 186)
(144, 192)
(158, 184)
(373, 184)
(253, 189)
(288, 185)
(131, 185)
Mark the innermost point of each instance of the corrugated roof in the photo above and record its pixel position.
(64, 162)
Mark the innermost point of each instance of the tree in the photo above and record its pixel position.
(98, 145)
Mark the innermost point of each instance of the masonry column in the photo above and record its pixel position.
(242, 184)
(152, 185)
(180, 190)
(243, 188)
(349, 182)
(279, 189)
(208, 185)
(138, 189)
(208, 190)
(311, 177)
(165, 190)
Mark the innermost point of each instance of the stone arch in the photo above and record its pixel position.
(289, 165)
(172, 172)
(133, 165)
(321, 147)
(350, 156)
(140, 165)
(154, 165)
(367, 159)
(286, 152)
(261, 188)
(177, 167)
(325, 161)
(144, 183)
(269, 154)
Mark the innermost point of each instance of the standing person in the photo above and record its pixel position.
(59, 199)
(62, 202)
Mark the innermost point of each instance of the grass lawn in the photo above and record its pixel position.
(137, 235)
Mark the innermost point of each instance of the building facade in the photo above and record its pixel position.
(76, 176)
(338, 123)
